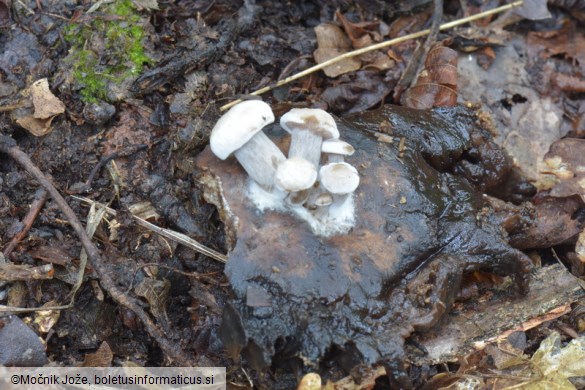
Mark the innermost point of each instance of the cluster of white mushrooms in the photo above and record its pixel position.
(319, 194)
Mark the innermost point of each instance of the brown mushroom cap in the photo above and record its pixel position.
(315, 120)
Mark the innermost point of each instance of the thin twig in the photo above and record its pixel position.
(13, 272)
(173, 351)
(35, 208)
(409, 75)
(11, 107)
(104, 160)
(193, 274)
(377, 46)
(168, 233)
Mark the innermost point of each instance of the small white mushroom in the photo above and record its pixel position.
(340, 179)
(308, 128)
(321, 204)
(296, 176)
(239, 131)
(336, 149)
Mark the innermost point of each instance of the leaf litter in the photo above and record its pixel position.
(555, 58)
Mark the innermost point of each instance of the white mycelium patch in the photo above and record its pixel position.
(264, 200)
(339, 219)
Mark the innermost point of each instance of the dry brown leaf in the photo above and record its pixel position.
(45, 103)
(556, 223)
(46, 107)
(51, 254)
(332, 42)
(436, 85)
(357, 34)
(37, 127)
(564, 42)
(100, 358)
(156, 292)
(364, 90)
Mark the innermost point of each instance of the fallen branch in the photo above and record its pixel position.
(377, 46)
(8, 146)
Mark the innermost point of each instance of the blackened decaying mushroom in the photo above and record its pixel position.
(239, 131)
(308, 128)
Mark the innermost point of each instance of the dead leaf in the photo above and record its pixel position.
(436, 85)
(51, 254)
(45, 103)
(156, 292)
(364, 90)
(46, 107)
(332, 42)
(556, 224)
(4, 13)
(565, 161)
(565, 42)
(46, 319)
(567, 83)
(555, 364)
(357, 34)
(100, 358)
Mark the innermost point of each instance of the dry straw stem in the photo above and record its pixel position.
(168, 233)
(377, 46)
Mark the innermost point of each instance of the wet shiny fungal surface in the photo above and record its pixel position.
(418, 229)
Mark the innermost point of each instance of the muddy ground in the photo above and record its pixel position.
(134, 88)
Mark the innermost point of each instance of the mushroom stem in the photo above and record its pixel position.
(298, 198)
(334, 158)
(307, 145)
(319, 202)
(336, 149)
(260, 157)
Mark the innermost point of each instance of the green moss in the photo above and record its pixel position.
(118, 35)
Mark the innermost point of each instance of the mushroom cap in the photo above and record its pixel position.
(339, 178)
(295, 174)
(238, 126)
(337, 146)
(317, 121)
(324, 199)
